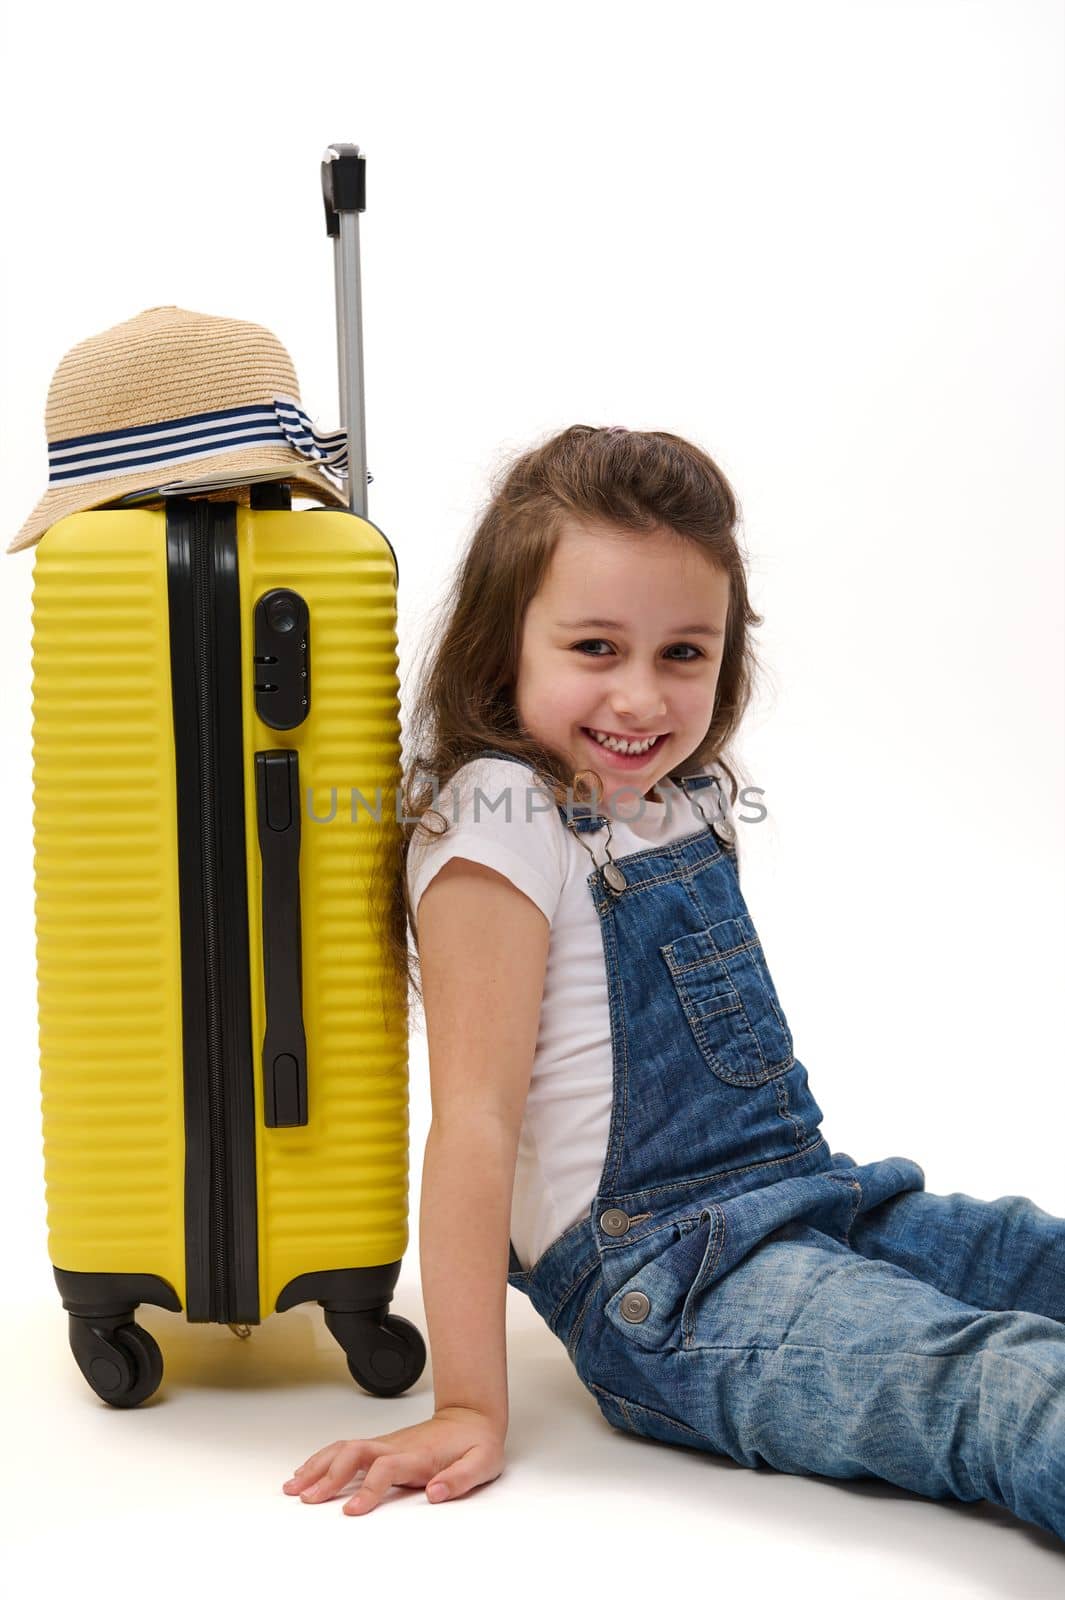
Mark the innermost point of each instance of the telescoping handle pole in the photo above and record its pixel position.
(344, 193)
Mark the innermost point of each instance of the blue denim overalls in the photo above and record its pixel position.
(737, 1287)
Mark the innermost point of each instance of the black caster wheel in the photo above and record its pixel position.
(392, 1361)
(122, 1364)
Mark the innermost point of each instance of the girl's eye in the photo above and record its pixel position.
(696, 653)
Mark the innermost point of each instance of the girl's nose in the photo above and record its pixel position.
(642, 702)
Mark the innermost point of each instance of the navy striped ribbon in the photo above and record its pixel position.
(94, 456)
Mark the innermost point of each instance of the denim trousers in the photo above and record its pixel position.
(739, 1288)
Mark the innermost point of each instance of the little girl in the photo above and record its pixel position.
(620, 1126)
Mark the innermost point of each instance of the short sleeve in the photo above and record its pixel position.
(497, 815)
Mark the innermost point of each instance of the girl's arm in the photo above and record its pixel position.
(483, 947)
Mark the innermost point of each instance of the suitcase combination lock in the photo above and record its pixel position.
(282, 659)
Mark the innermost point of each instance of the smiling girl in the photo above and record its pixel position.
(621, 1128)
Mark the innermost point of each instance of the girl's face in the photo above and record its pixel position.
(623, 638)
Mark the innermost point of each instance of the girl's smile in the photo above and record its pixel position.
(628, 760)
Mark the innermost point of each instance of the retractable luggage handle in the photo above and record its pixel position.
(284, 1051)
(344, 193)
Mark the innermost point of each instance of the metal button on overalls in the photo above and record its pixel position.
(635, 1306)
(614, 1222)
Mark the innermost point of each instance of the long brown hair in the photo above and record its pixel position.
(464, 701)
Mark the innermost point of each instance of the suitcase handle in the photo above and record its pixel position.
(344, 193)
(277, 787)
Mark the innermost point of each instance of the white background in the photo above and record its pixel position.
(825, 242)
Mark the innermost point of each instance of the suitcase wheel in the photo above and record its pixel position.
(385, 1352)
(122, 1362)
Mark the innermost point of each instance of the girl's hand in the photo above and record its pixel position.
(457, 1449)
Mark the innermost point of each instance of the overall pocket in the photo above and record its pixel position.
(727, 995)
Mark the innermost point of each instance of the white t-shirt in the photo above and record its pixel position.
(563, 1140)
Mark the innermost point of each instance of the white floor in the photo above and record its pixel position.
(183, 1495)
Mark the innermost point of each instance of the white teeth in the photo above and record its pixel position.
(624, 747)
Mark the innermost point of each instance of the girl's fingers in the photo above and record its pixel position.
(329, 1472)
(316, 1465)
(478, 1465)
(330, 1476)
(318, 1462)
(382, 1474)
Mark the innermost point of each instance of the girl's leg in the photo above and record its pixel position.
(811, 1358)
(1000, 1255)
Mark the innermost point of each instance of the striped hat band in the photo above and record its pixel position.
(91, 457)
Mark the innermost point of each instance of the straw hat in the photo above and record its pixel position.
(215, 398)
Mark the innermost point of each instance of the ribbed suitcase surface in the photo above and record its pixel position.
(330, 1195)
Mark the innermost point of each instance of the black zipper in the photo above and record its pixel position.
(220, 1291)
(221, 1224)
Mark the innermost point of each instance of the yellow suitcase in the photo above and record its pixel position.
(223, 1044)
